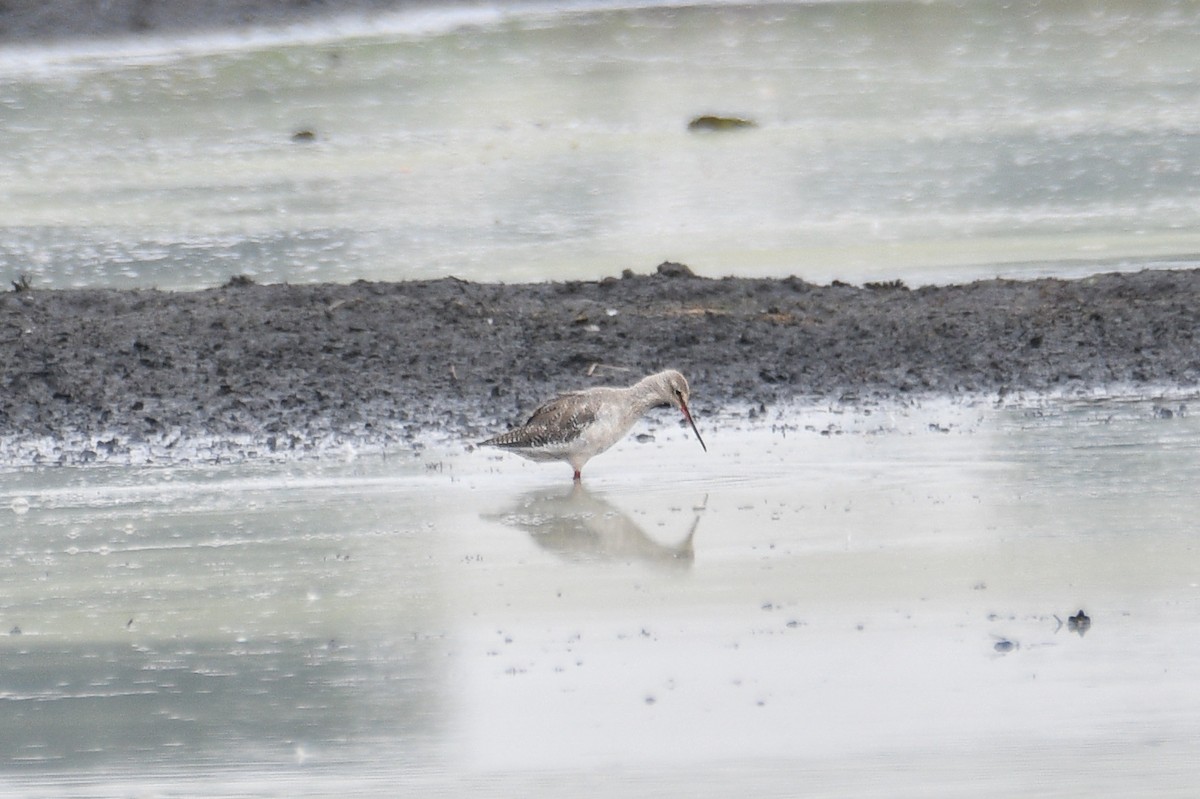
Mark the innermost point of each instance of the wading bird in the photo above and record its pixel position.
(578, 425)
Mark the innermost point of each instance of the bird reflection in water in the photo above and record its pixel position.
(580, 526)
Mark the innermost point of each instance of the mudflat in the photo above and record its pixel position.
(260, 370)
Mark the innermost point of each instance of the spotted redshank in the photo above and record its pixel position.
(578, 425)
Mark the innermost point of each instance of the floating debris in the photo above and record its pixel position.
(713, 122)
(1079, 623)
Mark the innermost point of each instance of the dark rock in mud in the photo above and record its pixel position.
(285, 369)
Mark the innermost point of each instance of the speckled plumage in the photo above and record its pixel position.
(578, 425)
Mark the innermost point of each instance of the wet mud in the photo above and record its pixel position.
(246, 370)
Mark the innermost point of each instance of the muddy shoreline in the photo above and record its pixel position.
(40, 21)
(246, 370)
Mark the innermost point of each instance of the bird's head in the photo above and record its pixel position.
(673, 388)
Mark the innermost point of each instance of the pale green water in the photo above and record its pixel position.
(930, 142)
(461, 622)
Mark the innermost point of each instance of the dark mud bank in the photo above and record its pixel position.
(259, 371)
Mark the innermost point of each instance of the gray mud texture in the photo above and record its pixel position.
(251, 370)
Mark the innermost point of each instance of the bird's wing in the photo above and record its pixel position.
(566, 406)
(555, 423)
(563, 418)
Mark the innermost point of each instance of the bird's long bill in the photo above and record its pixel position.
(687, 415)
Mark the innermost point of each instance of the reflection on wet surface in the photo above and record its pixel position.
(577, 524)
(195, 624)
(826, 597)
(196, 703)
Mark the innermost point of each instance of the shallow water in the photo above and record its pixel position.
(870, 600)
(931, 142)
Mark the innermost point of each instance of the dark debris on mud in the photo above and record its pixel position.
(284, 366)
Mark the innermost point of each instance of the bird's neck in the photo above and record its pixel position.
(646, 395)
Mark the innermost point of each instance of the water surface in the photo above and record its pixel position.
(872, 601)
(931, 142)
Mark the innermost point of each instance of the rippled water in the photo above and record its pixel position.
(871, 600)
(930, 142)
